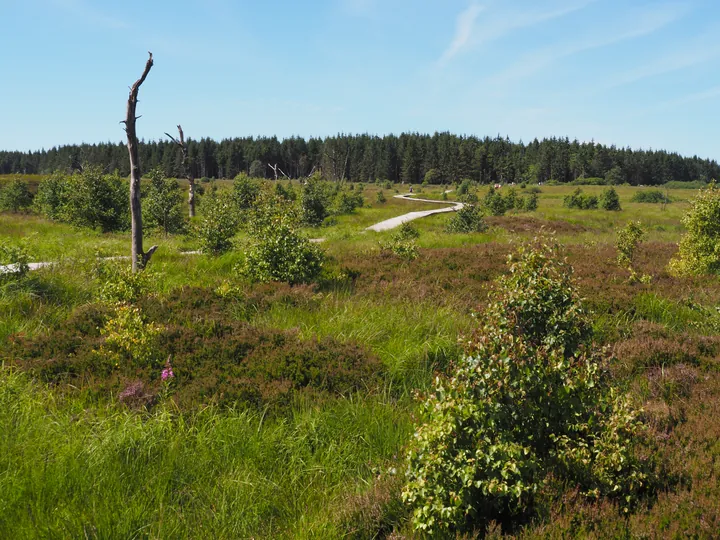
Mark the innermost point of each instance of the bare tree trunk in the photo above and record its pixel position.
(138, 256)
(187, 171)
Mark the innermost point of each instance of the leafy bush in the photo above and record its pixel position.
(402, 242)
(257, 169)
(245, 191)
(129, 339)
(314, 202)
(119, 284)
(677, 184)
(583, 181)
(287, 193)
(15, 196)
(15, 256)
(163, 204)
(578, 199)
(346, 203)
(432, 176)
(699, 249)
(467, 219)
(494, 203)
(407, 231)
(278, 251)
(609, 200)
(50, 196)
(530, 203)
(650, 196)
(464, 187)
(218, 224)
(86, 199)
(628, 239)
(380, 197)
(529, 399)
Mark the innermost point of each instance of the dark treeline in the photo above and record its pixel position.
(442, 158)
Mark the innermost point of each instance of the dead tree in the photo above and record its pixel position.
(138, 256)
(187, 171)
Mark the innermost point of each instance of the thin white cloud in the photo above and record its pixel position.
(635, 26)
(89, 14)
(463, 31)
(699, 52)
(469, 32)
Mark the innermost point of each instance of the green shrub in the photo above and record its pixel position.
(610, 200)
(86, 199)
(578, 199)
(130, 339)
(402, 242)
(163, 206)
(464, 187)
(467, 219)
(494, 203)
(245, 191)
(677, 184)
(278, 251)
(650, 196)
(15, 196)
(118, 283)
(218, 224)
(50, 196)
(315, 202)
(287, 193)
(346, 202)
(380, 197)
(529, 399)
(15, 256)
(699, 249)
(628, 239)
(530, 203)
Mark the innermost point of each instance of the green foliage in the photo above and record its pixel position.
(279, 252)
(15, 196)
(218, 223)
(119, 284)
(529, 399)
(650, 196)
(346, 202)
(50, 196)
(15, 255)
(530, 203)
(494, 203)
(288, 193)
(464, 187)
(628, 239)
(163, 204)
(314, 202)
(610, 200)
(407, 231)
(402, 242)
(699, 249)
(245, 191)
(86, 199)
(578, 199)
(380, 197)
(467, 219)
(129, 338)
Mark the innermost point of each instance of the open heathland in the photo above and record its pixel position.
(200, 399)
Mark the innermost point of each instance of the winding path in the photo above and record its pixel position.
(378, 227)
(399, 220)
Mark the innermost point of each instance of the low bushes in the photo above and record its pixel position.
(650, 196)
(213, 358)
(578, 199)
(467, 219)
(15, 196)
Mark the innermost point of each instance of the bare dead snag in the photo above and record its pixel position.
(187, 171)
(138, 256)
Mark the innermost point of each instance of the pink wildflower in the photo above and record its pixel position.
(167, 373)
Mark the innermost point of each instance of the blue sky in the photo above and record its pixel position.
(640, 73)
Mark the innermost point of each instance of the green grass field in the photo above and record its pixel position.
(306, 457)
